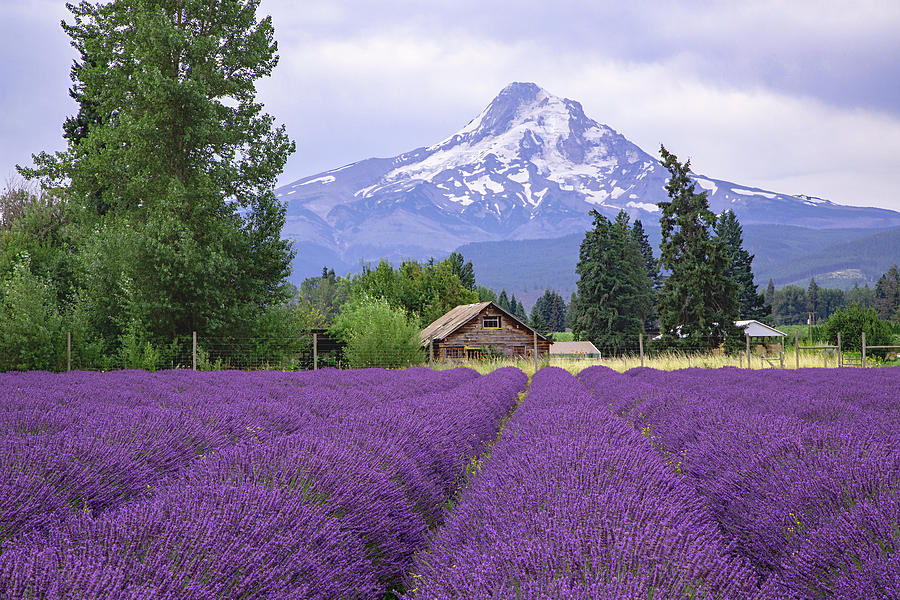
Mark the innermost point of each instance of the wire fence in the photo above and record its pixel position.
(318, 350)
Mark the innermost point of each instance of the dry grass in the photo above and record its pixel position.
(665, 362)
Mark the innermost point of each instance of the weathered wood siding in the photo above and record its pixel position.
(511, 338)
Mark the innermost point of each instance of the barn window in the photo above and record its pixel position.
(519, 351)
(491, 323)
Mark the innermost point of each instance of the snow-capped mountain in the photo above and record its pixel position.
(531, 165)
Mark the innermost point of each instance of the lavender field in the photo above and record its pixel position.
(376, 484)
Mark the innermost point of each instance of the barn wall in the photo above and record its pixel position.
(512, 339)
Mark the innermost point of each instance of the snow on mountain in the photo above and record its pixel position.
(530, 165)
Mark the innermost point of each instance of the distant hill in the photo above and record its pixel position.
(786, 253)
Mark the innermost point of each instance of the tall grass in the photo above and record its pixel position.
(665, 362)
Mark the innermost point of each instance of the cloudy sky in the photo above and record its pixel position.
(796, 97)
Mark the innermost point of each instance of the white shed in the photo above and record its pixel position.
(755, 329)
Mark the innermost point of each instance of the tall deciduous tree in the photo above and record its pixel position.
(171, 145)
(613, 286)
(698, 300)
(751, 304)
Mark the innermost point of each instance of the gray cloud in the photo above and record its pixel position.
(801, 97)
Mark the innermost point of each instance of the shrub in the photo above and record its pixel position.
(378, 335)
(851, 322)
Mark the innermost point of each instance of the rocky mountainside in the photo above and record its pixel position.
(530, 165)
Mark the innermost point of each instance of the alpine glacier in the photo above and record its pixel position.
(530, 165)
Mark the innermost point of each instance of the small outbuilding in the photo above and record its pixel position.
(755, 329)
(481, 330)
(574, 350)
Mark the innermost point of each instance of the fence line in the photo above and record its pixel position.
(315, 350)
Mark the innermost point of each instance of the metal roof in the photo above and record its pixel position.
(756, 329)
(459, 316)
(573, 348)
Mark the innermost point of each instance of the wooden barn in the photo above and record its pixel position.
(481, 330)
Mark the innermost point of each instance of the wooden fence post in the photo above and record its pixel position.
(68, 351)
(315, 351)
(194, 352)
(863, 349)
(747, 336)
(797, 347)
(535, 352)
(641, 347)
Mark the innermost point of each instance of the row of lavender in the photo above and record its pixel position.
(574, 503)
(799, 469)
(232, 485)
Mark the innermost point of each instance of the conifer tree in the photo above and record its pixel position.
(613, 286)
(812, 298)
(887, 294)
(503, 301)
(751, 304)
(770, 294)
(698, 301)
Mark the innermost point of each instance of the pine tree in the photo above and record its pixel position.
(770, 293)
(698, 300)
(520, 311)
(613, 286)
(503, 301)
(462, 269)
(650, 263)
(552, 309)
(751, 304)
(887, 294)
(812, 298)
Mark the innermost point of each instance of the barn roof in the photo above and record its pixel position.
(754, 328)
(459, 316)
(573, 348)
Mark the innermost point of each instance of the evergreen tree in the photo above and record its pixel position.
(887, 294)
(812, 298)
(171, 146)
(462, 269)
(520, 311)
(864, 296)
(751, 305)
(503, 301)
(537, 321)
(770, 293)
(485, 294)
(789, 306)
(613, 286)
(650, 263)
(698, 300)
(513, 305)
(552, 309)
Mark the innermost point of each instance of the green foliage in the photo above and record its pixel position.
(887, 295)
(377, 334)
(32, 335)
(427, 290)
(851, 322)
(751, 304)
(614, 293)
(812, 298)
(789, 306)
(698, 302)
(552, 310)
(170, 168)
(462, 269)
(324, 294)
